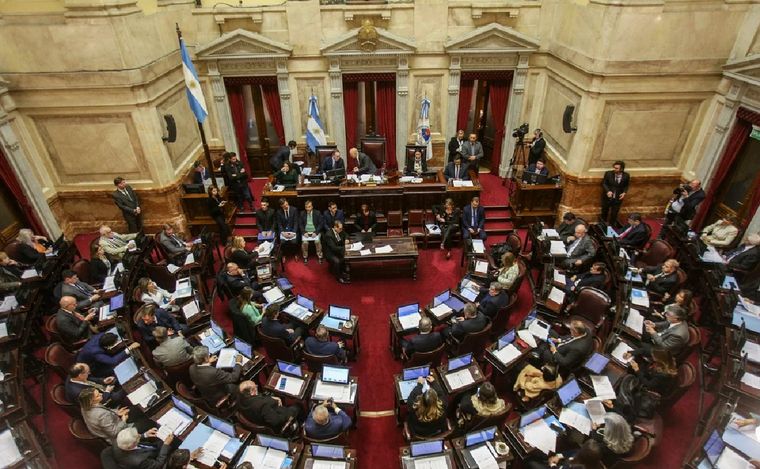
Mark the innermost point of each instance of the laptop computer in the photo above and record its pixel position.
(183, 288)
(336, 316)
(243, 347)
(327, 451)
(531, 416)
(222, 425)
(596, 363)
(274, 295)
(108, 311)
(289, 368)
(569, 392)
(126, 370)
(449, 300)
(425, 448)
(506, 339)
(273, 442)
(469, 294)
(533, 178)
(284, 284)
(459, 362)
(307, 303)
(183, 406)
(409, 315)
(713, 447)
(335, 374)
(481, 436)
(411, 374)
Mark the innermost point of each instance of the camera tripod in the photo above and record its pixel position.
(519, 158)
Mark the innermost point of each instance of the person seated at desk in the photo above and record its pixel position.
(672, 334)
(427, 409)
(471, 322)
(416, 166)
(683, 298)
(320, 344)
(266, 222)
(331, 215)
(151, 317)
(332, 162)
(100, 264)
(72, 326)
(235, 280)
(531, 381)
(580, 249)
(589, 456)
(152, 294)
(244, 305)
(98, 353)
(264, 410)
(171, 349)
(566, 229)
(286, 176)
(447, 217)
(366, 220)
(661, 375)
(746, 256)
(114, 244)
(614, 437)
(484, 402)
(176, 248)
(363, 164)
(213, 383)
(272, 327)
(287, 222)
(474, 220)
(78, 379)
(663, 278)
(326, 421)
(494, 299)
(311, 229)
(721, 233)
(183, 459)
(239, 255)
(427, 340)
(593, 278)
(102, 421)
(31, 248)
(457, 170)
(335, 250)
(568, 352)
(634, 234)
(536, 173)
(10, 274)
(508, 272)
(85, 294)
(130, 454)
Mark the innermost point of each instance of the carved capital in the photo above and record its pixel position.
(218, 98)
(12, 147)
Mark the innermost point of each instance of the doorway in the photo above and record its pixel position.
(743, 180)
(369, 106)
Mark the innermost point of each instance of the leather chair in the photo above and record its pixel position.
(432, 358)
(430, 220)
(59, 359)
(474, 342)
(51, 327)
(590, 307)
(515, 244)
(315, 362)
(58, 396)
(82, 269)
(659, 251)
(278, 349)
(288, 428)
(410, 437)
(107, 459)
(241, 325)
(374, 147)
(161, 275)
(409, 151)
(653, 428)
(416, 225)
(477, 422)
(395, 224)
(687, 374)
(178, 373)
(501, 320)
(13, 249)
(223, 407)
(640, 450)
(694, 343)
(339, 439)
(81, 433)
(323, 151)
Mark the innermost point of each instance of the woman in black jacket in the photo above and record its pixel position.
(448, 218)
(100, 265)
(427, 410)
(215, 204)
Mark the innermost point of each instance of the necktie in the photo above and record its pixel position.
(81, 288)
(126, 194)
(472, 149)
(625, 233)
(95, 385)
(456, 173)
(573, 246)
(473, 217)
(176, 241)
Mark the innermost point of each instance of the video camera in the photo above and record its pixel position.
(521, 131)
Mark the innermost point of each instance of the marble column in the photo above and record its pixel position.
(514, 109)
(286, 109)
(219, 93)
(455, 75)
(338, 117)
(402, 109)
(717, 141)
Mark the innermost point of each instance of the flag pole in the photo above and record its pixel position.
(206, 150)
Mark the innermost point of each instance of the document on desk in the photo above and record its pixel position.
(580, 422)
(752, 350)
(324, 464)
(9, 453)
(8, 304)
(172, 268)
(635, 320)
(596, 410)
(355, 246)
(537, 330)
(190, 259)
(213, 447)
(142, 395)
(603, 387)
(751, 380)
(365, 252)
(750, 307)
(557, 248)
(387, 249)
(3, 329)
(292, 385)
(481, 267)
(556, 295)
(463, 183)
(550, 233)
(436, 462)
(459, 379)
(540, 435)
(640, 297)
(527, 337)
(172, 421)
(484, 458)
(226, 358)
(109, 284)
(711, 255)
(410, 321)
(730, 459)
(340, 393)
(29, 273)
(296, 310)
(478, 247)
(441, 310)
(190, 309)
(560, 277)
(620, 349)
(507, 354)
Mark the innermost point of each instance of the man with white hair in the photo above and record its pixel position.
(580, 248)
(130, 454)
(115, 244)
(746, 256)
(212, 382)
(327, 420)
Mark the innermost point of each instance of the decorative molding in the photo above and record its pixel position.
(492, 38)
(247, 67)
(385, 43)
(242, 44)
(479, 9)
(88, 9)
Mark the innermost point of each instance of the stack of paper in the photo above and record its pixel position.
(365, 252)
(751, 380)
(730, 459)
(9, 453)
(29, 273)
(527, 337)
(296, 310)
(190, 259)
(483, 457)
(602, 387)
(752, 350)
(596, 411)
(441, 310)
(3, 330)
(557, 248)
(410, 321)
(478, 247)
(339, 392)
(172, 421)
(213, 448)
(142, 395)
(171, 268)
(355, 246)
(226, 358)
(460, 378)
(109, 284)
(292, 385)
(557, 296)
(711, 255)
(635, 320)
(621, 349)
(264, 249)
(383, 249)
(538, 330)
(436, 462)
(462, 183)
(327, 464)
(550, 232)
(404, 179)
(540, 435)
(8, 304)
(481, 267)
(507, 354)
(578, 420)
(190, 309)
(560, 277)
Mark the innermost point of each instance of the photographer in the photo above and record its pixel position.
(676, 205)
(683, 205)
(537, 146)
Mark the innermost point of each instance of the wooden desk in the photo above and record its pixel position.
(349, 457)
(499, 369)
(200, 416)
(28, 444)
(311, 321)
(477, 375)
(404, 252)
(353, 404)
(163, 390)
(460, 449)
(535, 202)
(400, 401)
(295, 452)
(407, 461)
(350, 335)
(272, 385)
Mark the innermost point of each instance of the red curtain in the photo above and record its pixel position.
(739, 136)
(8, 177)
(237, 108)
(386, 120)
(350, 111)
(465, 96)
(499, 97)
(272, 102)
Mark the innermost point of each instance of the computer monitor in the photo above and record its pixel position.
(408, 310)
(222, 425)
(596, 363)
(424, 448)
(273, 442)
(126, 370)
(307, 303)
(183, 406)
(117, 302)
(441, 297)
(339, 173)
(217, 329)
(327, 451)
(474, 438)
(506, 339)
(713, 447)
(569, 391)
(416, 372)
(339, 312)
(533, 178)
(284, 283)
(289, 368)
(530, 417)
(469, 295)
(243, 347)
(459, 362)
(335, 374)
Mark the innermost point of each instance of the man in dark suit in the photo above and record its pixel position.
(614, 187)
(332, 162)
(662, 279)
(126, 199)
(237, 177)
(692, 201)
(281, 156)
(331, 215)
(71, 325)
(416, 166)
(151, 317)
(264, 410)
(672, 334)
(569, 352)
(455, 144)
(427, 340)
(363, 164)
(537, 147)
(79, 379)
(287, 222)
(593, 278)
(129, 453)
(580, 249)
(335, 250)
(98, 352)
(457, 169)
(472, 151)
(213, 383)
(320, 344)
(235, 279)
(175, 247)
(494, 299)
(534, 171)
(266, 223)
(271, 326)
(634, 235)
(85, 294)
(472, 321)
(326, 421)
(567, 227)
(311, 226)
(474, 220)
(746, 256)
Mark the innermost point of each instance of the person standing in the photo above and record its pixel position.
(363, 163)
(614, 188)
(238, 180)
(472, 152)
(537, 147)
(455, 144)
(335, 250)
(473, 220)
(126, 199)
(216, 210)
(283, 155)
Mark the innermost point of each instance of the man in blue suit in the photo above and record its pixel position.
(320, 344)
(333, 162)
(493, 300)
(287, 222)
(79, 379)
(271, 326)
(426, 341)
(473, 220)
(332, 214)
(97, 352)
(326, 421)
(634, 235)
(534, 171)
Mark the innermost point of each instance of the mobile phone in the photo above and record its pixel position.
(282, 383)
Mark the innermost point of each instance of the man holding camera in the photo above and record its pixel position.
(537, 147)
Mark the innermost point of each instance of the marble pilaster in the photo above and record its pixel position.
(219, 96)
(338, 121)
(402, 106)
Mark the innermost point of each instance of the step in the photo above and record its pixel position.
(495, 207)
(245, 224)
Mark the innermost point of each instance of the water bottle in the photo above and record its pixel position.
(559, 180)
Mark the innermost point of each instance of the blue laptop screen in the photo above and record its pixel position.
(596, 363)
(183, 406)
(307, 303)
(335, 374)
(568, 392)
(714, 447)
(289, 368)
(407, 310)
(284, 283)
(506, 339)
(217, 330)
(530, 417)
(427, 447)
(417, 372)
(222, 425)
(440, 298)
(125, 370)
(339, 312)
(244, 348)
(474, 438)
(272, 442)
(460, 361)
(327, 451)
(117, 302)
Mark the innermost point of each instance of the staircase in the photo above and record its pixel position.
(245, 225)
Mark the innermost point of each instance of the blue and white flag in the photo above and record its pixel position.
(423, 128)
(315, 132)
(194, 91)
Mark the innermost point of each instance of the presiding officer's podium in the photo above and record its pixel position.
(535, 202)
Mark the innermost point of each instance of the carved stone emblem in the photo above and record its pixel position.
(368, 37)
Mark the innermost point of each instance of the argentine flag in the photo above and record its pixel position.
(315, 133)
(194, 91)
(423, 129)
